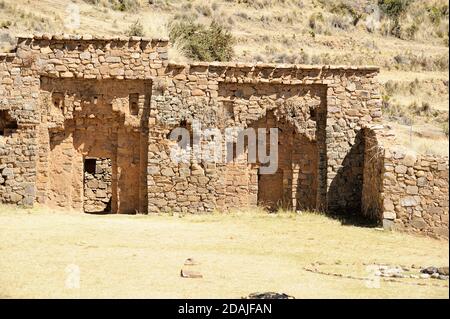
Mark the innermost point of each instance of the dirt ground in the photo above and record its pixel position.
(122, 256)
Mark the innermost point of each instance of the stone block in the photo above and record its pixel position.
(412, 190)
(401, 169)
(408, 201)
(418, 223)
(409, 160)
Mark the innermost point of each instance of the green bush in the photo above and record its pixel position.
(136, 29)
(436, 13)
(394, 9)
(347, 8)
(203, 43)
(125, 5)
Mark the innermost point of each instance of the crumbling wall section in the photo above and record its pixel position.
(353, 100)
(372, 192)
(19, 114)
(416, 192)
(404, 190)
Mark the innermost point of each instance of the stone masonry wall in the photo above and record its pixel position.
(372, 201)
(409, 192)
(67, 98)
(25, 154)
(91, 118)
(119, 98)
(416, 192)
(97, 185)
(201, 91)
(19, 92)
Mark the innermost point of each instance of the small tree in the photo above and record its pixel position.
(136, 29)
(212, 43)
(394, 9)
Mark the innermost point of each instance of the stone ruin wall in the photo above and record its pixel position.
(19, 92)
(406, 191)
(75, 97)
(97, 185)
(303, 99)
(90, 118)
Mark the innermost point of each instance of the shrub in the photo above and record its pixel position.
(93, 2)
(136, 29)
(339, 22)
(125, 5)
(204, 10)
(410, 32)
(445, 128)
(5, 24)
(394, 9)
(423, 110)
(212, 43)
(347, 8)
(437, 13)
(316, 22)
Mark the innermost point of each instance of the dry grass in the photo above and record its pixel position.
(416, 106)
(423, 139)
(240, 253)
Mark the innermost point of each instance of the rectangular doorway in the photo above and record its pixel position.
(97, 185)
(270, 190)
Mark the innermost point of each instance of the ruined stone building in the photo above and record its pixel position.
(85, 124)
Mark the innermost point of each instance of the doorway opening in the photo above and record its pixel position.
(270, 190)
(97, 185)
(7, 124)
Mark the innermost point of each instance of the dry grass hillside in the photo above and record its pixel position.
(408, 39)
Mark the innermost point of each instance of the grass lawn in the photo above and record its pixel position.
(141, 256)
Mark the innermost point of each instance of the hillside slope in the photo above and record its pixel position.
(414, 56)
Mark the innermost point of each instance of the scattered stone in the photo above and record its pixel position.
(429, 270)
(190, 269)
(190, 274)
(443, 271)
(191, 262)
(269, 295)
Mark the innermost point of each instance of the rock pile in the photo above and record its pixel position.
(405, 272)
